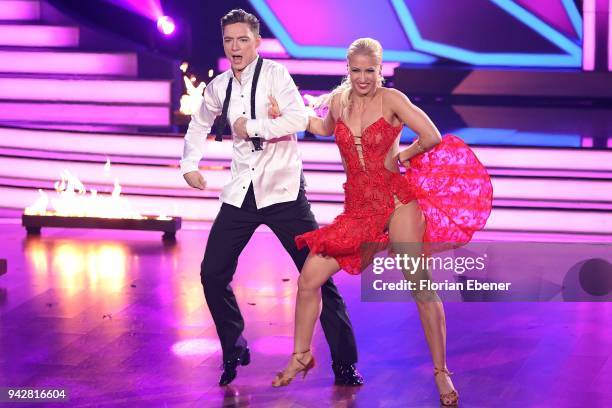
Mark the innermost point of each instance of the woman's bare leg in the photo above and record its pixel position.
(406, 230)
(316, 271)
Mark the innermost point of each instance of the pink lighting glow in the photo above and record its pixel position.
(534, 160)
(38, 36)
(166, 25)
(85, 90)
(502, 219)
(85, 113)
(144, 175)
(19, 10)
(588, 42)
(123, 64)
(147, 8)
(610, 35)
(272, 48)
(195, 347)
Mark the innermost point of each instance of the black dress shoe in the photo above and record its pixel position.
(347, 374)
(229, 366)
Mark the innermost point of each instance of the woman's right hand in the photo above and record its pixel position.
(273, 110)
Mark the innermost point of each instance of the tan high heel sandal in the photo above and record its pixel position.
(450, 398)
(282, 380)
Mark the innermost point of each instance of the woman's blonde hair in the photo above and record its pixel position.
(361, 46)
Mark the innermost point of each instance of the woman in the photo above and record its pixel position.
(385, 208)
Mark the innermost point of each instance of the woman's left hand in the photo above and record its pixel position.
(403, 161)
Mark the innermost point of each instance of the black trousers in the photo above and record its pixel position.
(228, 236)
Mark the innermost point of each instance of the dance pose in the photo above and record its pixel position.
(266, 188)
(442, 199)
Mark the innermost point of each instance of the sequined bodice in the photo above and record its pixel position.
(370, 187)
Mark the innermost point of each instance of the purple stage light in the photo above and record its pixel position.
(610, 35)
(166, 25)
(147, 8)
(201, 208)
(553, 12)
(85, 113)
(85, 90)
(588, 43)
(15, 10)
(524, 159)
(144, 175)
(38, 36)
(195, 347)
(85, 63)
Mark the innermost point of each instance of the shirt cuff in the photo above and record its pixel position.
(188, 166)
(252, 127)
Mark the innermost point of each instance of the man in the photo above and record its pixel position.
(266, 188)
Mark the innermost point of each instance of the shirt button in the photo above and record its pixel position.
(252, 168)
(255, 134)
(244, 113)
(242, 96)
(252, 150)
(243, 187)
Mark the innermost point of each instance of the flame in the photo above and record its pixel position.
(191, 101)
(107, 167)
(72, 200)
(40, 206)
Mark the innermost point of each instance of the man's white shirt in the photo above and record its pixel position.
(274, 171)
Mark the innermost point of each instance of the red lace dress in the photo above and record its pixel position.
(452, 187)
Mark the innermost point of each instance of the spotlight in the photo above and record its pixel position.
(166, 25)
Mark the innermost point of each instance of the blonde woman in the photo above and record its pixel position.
(431, 203)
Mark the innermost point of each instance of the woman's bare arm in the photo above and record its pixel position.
(325, 126)
(412, 116)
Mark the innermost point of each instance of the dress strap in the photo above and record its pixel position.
(381, 103)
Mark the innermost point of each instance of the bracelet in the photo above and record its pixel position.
(420, 147)
(402, 161)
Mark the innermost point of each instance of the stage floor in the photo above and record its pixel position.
(119, 319)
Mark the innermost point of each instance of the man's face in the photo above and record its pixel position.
(240, 45)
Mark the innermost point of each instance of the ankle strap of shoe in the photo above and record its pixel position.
(442, 370)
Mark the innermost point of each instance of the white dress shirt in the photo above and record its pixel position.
(274, 171)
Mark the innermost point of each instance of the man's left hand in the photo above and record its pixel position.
(240, 127)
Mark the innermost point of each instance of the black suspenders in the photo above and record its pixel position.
(256, 140)
(221, 121)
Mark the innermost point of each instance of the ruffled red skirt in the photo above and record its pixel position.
(453, 190)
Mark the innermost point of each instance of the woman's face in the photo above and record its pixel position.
(363, 73)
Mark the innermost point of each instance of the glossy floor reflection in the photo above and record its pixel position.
(118, 319)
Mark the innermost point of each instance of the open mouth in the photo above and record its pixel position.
(236, 59)
(363, 86)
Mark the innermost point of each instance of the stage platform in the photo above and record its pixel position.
(119, 319)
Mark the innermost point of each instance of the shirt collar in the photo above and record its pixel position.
(247, 72)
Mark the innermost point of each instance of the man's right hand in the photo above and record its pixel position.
(195, 179)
